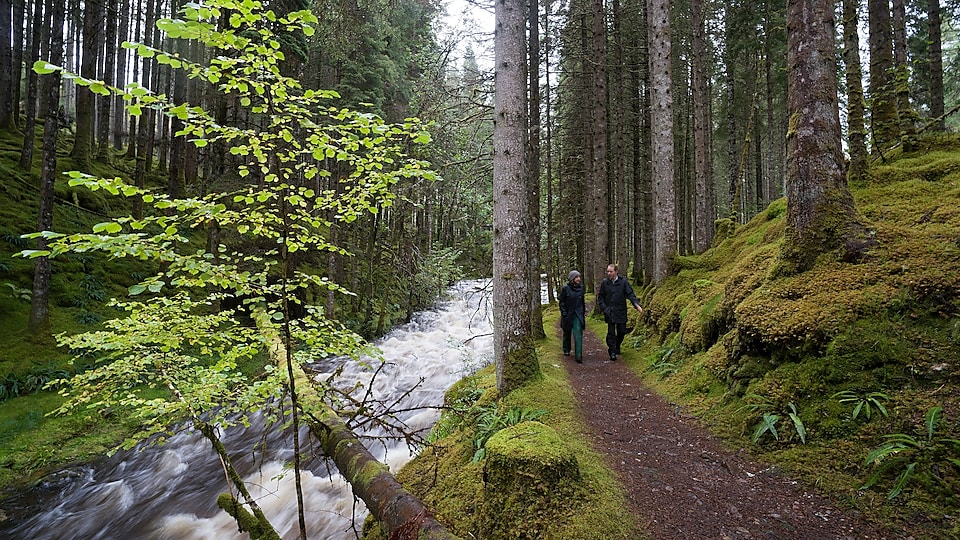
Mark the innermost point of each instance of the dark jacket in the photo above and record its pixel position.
(612, 299)
(572, 304)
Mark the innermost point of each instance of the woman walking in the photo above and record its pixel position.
(572, 308)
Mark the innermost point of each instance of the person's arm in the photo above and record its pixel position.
(601, 301)
(632, 297)
(563, 304)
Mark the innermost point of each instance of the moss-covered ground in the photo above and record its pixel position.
(784, 366)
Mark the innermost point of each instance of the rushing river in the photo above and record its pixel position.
(169, 492)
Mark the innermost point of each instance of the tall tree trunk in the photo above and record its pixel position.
(905, 112)
(619, 186)
(596, 187)
(661, 117)
(883, 104)
(119, 118)
(820, 211)
(105, 103)
(773, 151)
(39, 323)
(19, 48)
(7, 78)
(644, 186)
(935, 58)
(702, 125)
(91, 41)
(856, 132)
(38, 33)
(553, 264)
(533, 171)
(514, 351)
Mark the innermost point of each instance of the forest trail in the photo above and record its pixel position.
(682, 482)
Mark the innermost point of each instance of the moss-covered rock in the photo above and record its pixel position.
(530, 476)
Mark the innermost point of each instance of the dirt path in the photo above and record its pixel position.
(683, 483)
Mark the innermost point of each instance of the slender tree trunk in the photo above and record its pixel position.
(514, 352)
(618, 217)
(37, 35)
(702, 124)
(7, 79)
(665, 235)
(39, 323)
(596, 184)
(935, 56)
(19, 48)
(645, 186)
(730, 95)
(820, 211)
(105, 103)
(905, 112)
(883, 104)
(772, 179)
(553, 263)
(533, 171)
(86, 102)
(403, 515)
(856, 132)
(119, 116)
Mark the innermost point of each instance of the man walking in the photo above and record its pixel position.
(612, 299)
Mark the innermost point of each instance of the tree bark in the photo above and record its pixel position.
(661, 91)
(702, 125)
(19, 48)
(935, 56)
(38, 32)
(39, 322)
(883, 104)
(120, 77)
(820, 211)
(514, 353)
(597, 187)
(533, 171)
(7, 79)
(105, 103)
(856, 132)
(905, 112)
(86, 101)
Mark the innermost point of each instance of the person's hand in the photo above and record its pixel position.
(640, 309)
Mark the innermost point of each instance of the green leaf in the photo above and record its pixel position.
(902, 481)
(44, 68)
(34, 253)
(136, 289)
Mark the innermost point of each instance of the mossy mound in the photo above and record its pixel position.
(530, 475)
(747, 344)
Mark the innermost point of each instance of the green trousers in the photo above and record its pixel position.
(577, 333)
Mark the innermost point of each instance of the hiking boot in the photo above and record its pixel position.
(613, 356)
(566, 353)
(579, 359)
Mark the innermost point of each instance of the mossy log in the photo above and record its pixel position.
(405, 516)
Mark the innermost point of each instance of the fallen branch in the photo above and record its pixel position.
(404, 515)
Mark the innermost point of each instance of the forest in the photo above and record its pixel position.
(202, 199)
